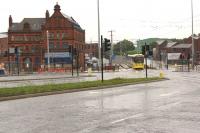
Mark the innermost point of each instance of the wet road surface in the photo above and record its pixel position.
(171, 106)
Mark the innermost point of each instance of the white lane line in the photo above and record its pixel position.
(130, 117)
(169, 94)
(93, 92)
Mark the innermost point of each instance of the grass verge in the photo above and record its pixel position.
(17, 91)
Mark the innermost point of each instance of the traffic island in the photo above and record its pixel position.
(51, 89)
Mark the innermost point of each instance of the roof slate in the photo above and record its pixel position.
(159, 42)
(35, 24)
(170, 44)
(182, 46)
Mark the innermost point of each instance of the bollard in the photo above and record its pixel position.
(89, 71)
(161, 74)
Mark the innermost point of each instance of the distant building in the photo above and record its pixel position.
(3, 49)
(171, 52)
(159, 49)
(33, 36)
(3, 43)
(91, 50)
(196, 46)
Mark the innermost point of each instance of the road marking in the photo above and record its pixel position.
(130, 117)
(169, 94)
(93, 92)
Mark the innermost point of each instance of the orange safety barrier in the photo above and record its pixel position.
(57, 70)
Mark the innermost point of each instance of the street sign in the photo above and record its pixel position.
(11, 50)
(173, 56)
(57, 55)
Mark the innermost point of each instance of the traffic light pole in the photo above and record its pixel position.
(77, 63)
(72, 60)
(146, 59)
(101, 58)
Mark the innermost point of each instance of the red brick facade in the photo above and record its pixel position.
(196, 46)
(91, 49)
(30, 36)
(3, 44)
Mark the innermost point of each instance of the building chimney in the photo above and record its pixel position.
(47, 14)
(10, 21)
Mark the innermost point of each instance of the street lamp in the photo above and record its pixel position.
(48, 59)
(193, 52)
(99, 33)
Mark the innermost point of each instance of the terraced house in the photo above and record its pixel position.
(32, 37)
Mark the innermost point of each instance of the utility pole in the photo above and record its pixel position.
(111, 50)
(102, 59)
(193, 52)
(146, 59)
(48, 58)
(72, 60)
(99, 34)
(77, 62)
(8, 54)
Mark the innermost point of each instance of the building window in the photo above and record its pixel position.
(12, 38)
(64, 35)
(51, 35)
(33, 49)
(65, 45)
(58, 46)
(51, 45)
(37, 61)
(58, 35)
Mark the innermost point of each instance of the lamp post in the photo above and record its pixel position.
(193, 52)
(48, 59)
(99, 34)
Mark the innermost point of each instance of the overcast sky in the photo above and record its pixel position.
(130, 19)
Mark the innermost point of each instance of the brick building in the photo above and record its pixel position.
(91, 50)
(159, 49)
(3, 43)
(196, 46)
(3, 48)
(33, 37)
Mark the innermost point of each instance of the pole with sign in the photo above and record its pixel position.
(102, 59)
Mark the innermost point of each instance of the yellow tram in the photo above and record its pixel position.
(137, 61)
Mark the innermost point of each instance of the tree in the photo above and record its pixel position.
(152, 45)
(122, 47)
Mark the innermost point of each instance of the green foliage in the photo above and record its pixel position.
(6, 92)
(122, 47)
(134, 52)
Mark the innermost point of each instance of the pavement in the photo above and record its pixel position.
(171, 106)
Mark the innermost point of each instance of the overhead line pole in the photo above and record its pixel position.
(111, 50)
(48, 58)
(99, 34)
(193, 52)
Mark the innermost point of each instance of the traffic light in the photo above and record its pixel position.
(182, 56)
(145, 49)
(16, 50)
(107, 44)
(188, 57)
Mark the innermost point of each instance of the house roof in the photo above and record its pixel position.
(71, 19)
(159, 42)
(170, 44)
(182, 46)
(3, 35)
(35, 24)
